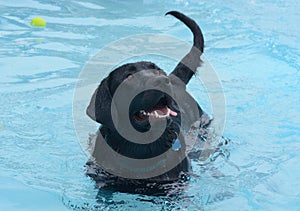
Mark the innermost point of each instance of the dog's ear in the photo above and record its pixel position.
(90, 110)
(99, 108)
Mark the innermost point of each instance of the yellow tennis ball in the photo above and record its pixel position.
(38, 22)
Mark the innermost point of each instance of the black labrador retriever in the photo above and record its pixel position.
(147, 109)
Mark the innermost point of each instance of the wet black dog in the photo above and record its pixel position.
(147, 108)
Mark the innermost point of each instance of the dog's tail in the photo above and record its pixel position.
(187, 67)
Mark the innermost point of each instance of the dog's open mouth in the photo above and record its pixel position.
(159, 111)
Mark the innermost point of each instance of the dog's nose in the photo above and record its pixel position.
(161, 81)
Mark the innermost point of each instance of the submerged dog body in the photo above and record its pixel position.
(147, 109)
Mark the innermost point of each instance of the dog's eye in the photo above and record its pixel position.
(129, 76)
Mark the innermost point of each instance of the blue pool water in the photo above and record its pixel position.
(254, 48)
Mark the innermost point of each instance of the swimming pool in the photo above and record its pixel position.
(252, 45)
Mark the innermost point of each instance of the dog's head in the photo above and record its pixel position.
(151, 104)
(148, 105)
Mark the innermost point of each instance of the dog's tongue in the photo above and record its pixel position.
(161, 111)
(164, 111)
(173, 113)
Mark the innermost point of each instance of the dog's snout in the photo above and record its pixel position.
(161, 81)
(166, 79)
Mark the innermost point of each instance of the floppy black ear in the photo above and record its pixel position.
(99, 108)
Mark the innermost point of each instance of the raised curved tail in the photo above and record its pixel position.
(187, 67)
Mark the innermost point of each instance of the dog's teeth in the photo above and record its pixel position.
(168, 112)
(155, 114)
(162, 116)
(143, 112)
